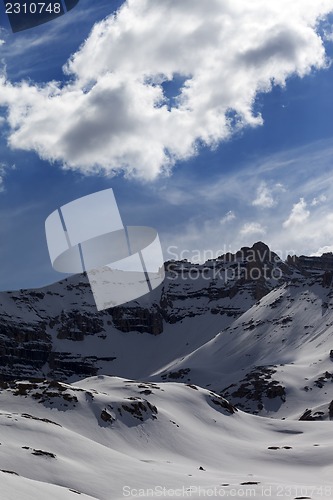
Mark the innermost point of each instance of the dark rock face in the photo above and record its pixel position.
(223, 403)
(106, 417)
(255, 386)
(180, 374)
(25, 344)
(140, 409)
(62, 365)
(311, 415)
(74, 325)
(321, 381)
(138, 319)
(49, 393)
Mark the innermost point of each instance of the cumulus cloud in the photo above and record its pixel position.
(252, 228)
(298, 214)
(112, 113)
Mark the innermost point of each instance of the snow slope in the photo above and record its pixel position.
(284, 340)
(116, 437)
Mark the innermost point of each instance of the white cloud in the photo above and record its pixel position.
(3, 171)
(298, 215)
(298, 173)
(229, 216)
(112, 114)
(252, 228)
(318, 200)
(328, 34)
(265, 195)
(325, 249)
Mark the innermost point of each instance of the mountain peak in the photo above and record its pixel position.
(260, 246)
(260, 253)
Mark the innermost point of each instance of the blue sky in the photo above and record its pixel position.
(256, 166)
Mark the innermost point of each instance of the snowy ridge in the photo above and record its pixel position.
(274, 359)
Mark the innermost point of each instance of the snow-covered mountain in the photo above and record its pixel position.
(248, 326)
(166, 390)
(111, 438)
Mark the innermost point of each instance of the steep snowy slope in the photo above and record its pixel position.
(108, 438)
(274, 359)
